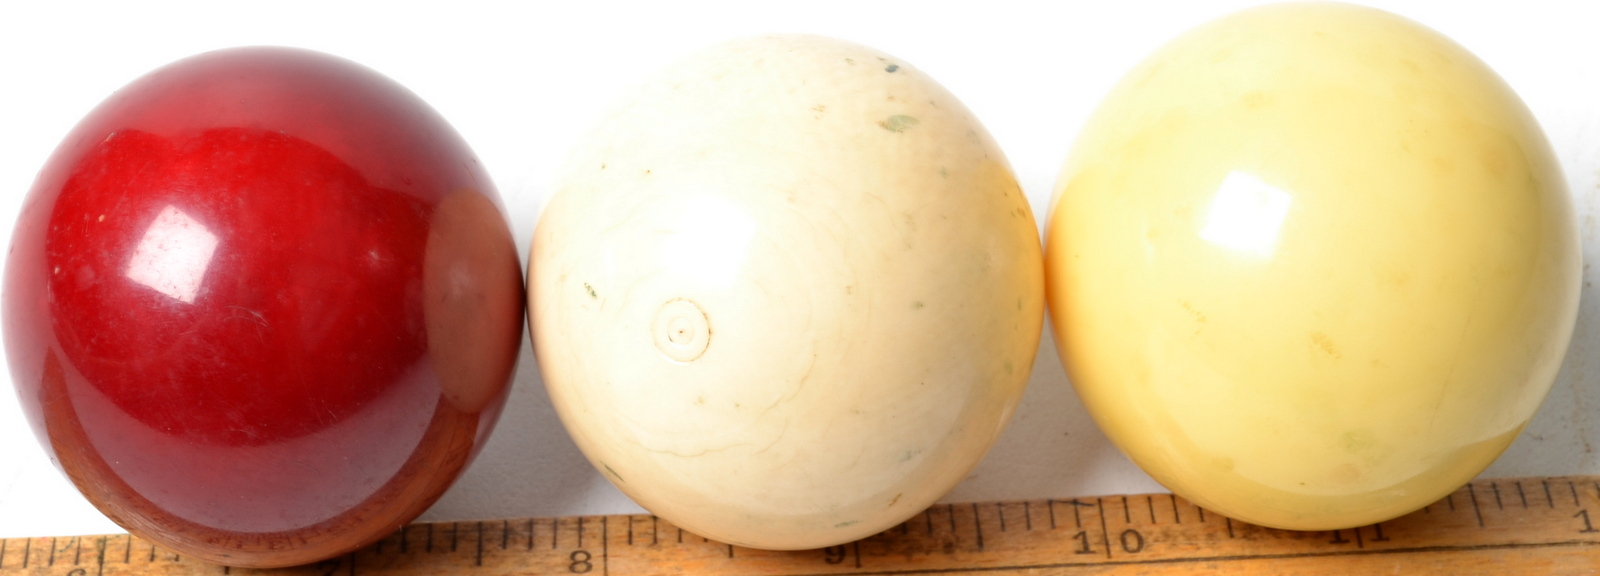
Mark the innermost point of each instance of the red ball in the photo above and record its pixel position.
(262, 306)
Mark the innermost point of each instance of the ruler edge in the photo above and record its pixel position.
(161, 554)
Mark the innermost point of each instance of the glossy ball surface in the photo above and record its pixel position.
(1312, 266)
(788, 294)
(262, 306)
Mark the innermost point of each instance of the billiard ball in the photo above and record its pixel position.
(1312, 266)
(788, 294)
(262, 306)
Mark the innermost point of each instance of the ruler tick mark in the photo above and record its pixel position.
(429, 547)
(580, 531)
(1051, 506)
(53, 540)
(1150, 501)
(1522, 495)
(999, 507)
(1176, 519)
(127, 553)
(630, 529)
(977, 524)
(1027, 516)
(1077, 522)
(455, 530)
(1473, 494)
(555, 532)
(530, 534)
(505, 534)
(1127, 517)
(655, 530)
(152, 552)
(77, 550)
(680, 535)
(1202, 514)
(605, 545)
(1574, 488)
(951, 510)
(480, 544)
(1597, 488)
(1105, 535)
(1450, 500)
(1229, 522)
(857, 546)
(1359, 543)
(27, 550)
(403, 539)
(1548, 499)
(1496, 488)
(100, 559)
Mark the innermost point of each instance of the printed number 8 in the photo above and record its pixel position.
(580, 562)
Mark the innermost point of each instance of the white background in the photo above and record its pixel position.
(522, 82)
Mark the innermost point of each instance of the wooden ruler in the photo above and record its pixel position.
(1507, 526)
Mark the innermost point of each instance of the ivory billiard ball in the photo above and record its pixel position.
(1312, 266)
(262, 306)
(787, 294)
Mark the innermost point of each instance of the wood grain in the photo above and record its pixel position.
(1505, 526)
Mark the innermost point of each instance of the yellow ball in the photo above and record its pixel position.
(1312, 266)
